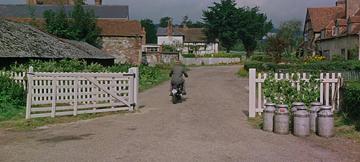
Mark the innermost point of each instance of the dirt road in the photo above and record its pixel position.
(210, 126)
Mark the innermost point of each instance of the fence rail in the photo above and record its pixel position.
(330, 84)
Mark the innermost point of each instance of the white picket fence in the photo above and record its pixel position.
(60, 94)
(330, 84)
(18, 77)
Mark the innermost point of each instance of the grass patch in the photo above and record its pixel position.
(345, 128)
(21, 124)
(256, 122)
(243, 73)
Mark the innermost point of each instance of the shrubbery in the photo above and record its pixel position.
(12, 98)
(351, 102)
(148, 75)
(312, 66)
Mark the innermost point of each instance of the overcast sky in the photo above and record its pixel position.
(277, 10)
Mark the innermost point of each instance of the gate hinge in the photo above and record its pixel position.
(133, 104)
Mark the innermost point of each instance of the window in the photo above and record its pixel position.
(343, 52)
(326, 53)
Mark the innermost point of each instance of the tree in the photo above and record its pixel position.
(164, 22)
(230, 24)
(291, 30)
(79, 25)
(220, 23)
(276, 46)
(150, 30)
(253, 26)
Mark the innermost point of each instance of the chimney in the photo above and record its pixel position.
(170, 29)
(98, 2)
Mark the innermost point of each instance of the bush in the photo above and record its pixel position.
(312, 66)
(12, 98)
(149, 76)
(261, 58)
(351, 102)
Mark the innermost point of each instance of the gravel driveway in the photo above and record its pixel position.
(211, 125)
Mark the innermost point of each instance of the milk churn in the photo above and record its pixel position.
(301, 122)
(295, 105)
(281, 120)
(269, 117)
(315, 108)
(325, 122)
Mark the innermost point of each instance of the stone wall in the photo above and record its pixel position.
(124, 49)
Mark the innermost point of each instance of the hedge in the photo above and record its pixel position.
(12, 98)
(351, 102)
(314, 66)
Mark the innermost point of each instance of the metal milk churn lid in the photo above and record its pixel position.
(282, 109)
(270, 107)
(315, 107)
(296, 105)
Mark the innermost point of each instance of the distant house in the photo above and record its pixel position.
(21, 43)
(187, 40)
(334, 30)
(121, 37)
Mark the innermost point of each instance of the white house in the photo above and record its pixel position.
(188, 40)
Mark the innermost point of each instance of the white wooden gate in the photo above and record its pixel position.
(330, 84)
(59, 94)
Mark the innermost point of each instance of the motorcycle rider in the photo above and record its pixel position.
(176, 74)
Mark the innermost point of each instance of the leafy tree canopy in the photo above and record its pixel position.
(150, 30)
(164, 22)
(231, 24)
(79, 25)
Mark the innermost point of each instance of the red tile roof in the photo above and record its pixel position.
(117, 27)
(320, 17)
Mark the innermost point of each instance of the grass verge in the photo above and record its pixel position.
(345, 128)
(21, 124)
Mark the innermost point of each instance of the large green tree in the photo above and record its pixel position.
(164, 22)
(150, 30)
(79, 25)
(231, 24)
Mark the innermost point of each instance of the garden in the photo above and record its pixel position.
(13, 95)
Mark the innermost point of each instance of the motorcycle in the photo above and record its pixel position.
(177, 93)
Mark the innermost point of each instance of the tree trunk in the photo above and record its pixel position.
(249, 53)
(228, 50)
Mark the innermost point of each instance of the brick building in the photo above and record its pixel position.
(121, 37)
(334, 30)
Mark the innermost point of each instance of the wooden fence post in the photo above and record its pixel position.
(252, 93)
(135, 86)
(29, 92)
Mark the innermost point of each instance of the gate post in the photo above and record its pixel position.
(252, 93)
(29, 76)
(135, 88)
